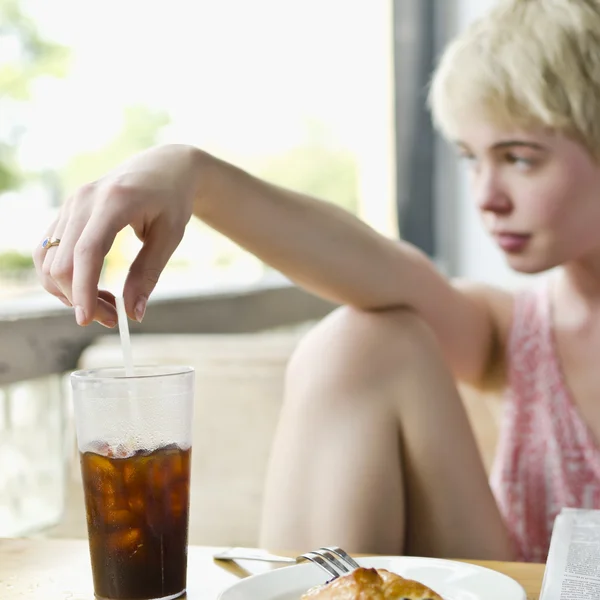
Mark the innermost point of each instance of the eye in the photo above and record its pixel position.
(519, 161)
(470, 160)
(466, 156)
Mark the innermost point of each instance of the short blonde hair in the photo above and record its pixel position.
(526, 63)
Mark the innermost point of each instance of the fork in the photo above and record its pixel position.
(331, 559)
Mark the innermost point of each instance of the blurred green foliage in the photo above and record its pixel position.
(12, 261)
(27, 56)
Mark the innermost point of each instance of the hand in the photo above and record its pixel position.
(154, 193)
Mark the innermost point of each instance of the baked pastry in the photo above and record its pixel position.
(371, 584)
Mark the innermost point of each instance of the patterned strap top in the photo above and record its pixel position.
(547, 457)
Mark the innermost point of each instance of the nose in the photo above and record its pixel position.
(490, 193)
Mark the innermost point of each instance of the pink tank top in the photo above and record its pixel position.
(547, 458)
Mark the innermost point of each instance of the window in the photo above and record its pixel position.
(299, 93)
(418, 36)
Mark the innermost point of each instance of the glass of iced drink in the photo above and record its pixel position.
(134, 436)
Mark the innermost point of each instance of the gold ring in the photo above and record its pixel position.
(49, 242)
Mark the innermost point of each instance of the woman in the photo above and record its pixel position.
(374, 451)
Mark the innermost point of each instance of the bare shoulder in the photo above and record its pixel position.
(498, 303)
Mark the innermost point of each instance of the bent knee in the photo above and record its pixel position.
(351, 344)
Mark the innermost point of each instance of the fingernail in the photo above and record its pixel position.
(109, 324)
(140, 308)
(64, 300)
(80, 315)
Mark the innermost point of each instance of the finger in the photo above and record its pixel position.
(106, 309)
(106, 313)
(59, 263)
(51, 252)
(39, 255)
(159, 244)
(107, 297)
(39, 252)
(89, 252)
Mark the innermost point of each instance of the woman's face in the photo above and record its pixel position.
(538, 194)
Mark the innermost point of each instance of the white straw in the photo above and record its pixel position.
(125, 339)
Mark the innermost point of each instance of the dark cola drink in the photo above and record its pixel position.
(137, 516)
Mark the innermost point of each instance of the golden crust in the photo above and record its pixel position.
(372, 584)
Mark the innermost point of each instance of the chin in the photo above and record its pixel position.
(529, 265)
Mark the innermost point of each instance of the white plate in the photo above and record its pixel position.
(450, 579)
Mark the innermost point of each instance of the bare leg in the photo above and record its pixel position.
(374, 451)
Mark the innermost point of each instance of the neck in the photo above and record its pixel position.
(577, 292)
(582, 280)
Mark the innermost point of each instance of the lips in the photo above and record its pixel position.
(512, 242)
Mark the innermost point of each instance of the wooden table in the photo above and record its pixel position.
(60, 570)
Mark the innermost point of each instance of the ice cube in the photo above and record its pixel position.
(118, 518)
(159, 474)
(174, 464)
(126, 541)
(136, 504)
(178, 500)
(132, 473)
(96, 464)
